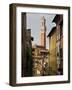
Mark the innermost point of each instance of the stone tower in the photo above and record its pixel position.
(43, 32)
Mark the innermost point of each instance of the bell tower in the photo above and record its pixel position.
(43, 32)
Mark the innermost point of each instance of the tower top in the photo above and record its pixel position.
(43, 31)
(43, 19)
(42, 24)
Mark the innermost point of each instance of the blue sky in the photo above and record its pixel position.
(33, 23)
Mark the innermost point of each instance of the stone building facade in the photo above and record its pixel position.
(59, 42)
(52, 51)
(26, 49)
(40, 58)
(56, 46)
